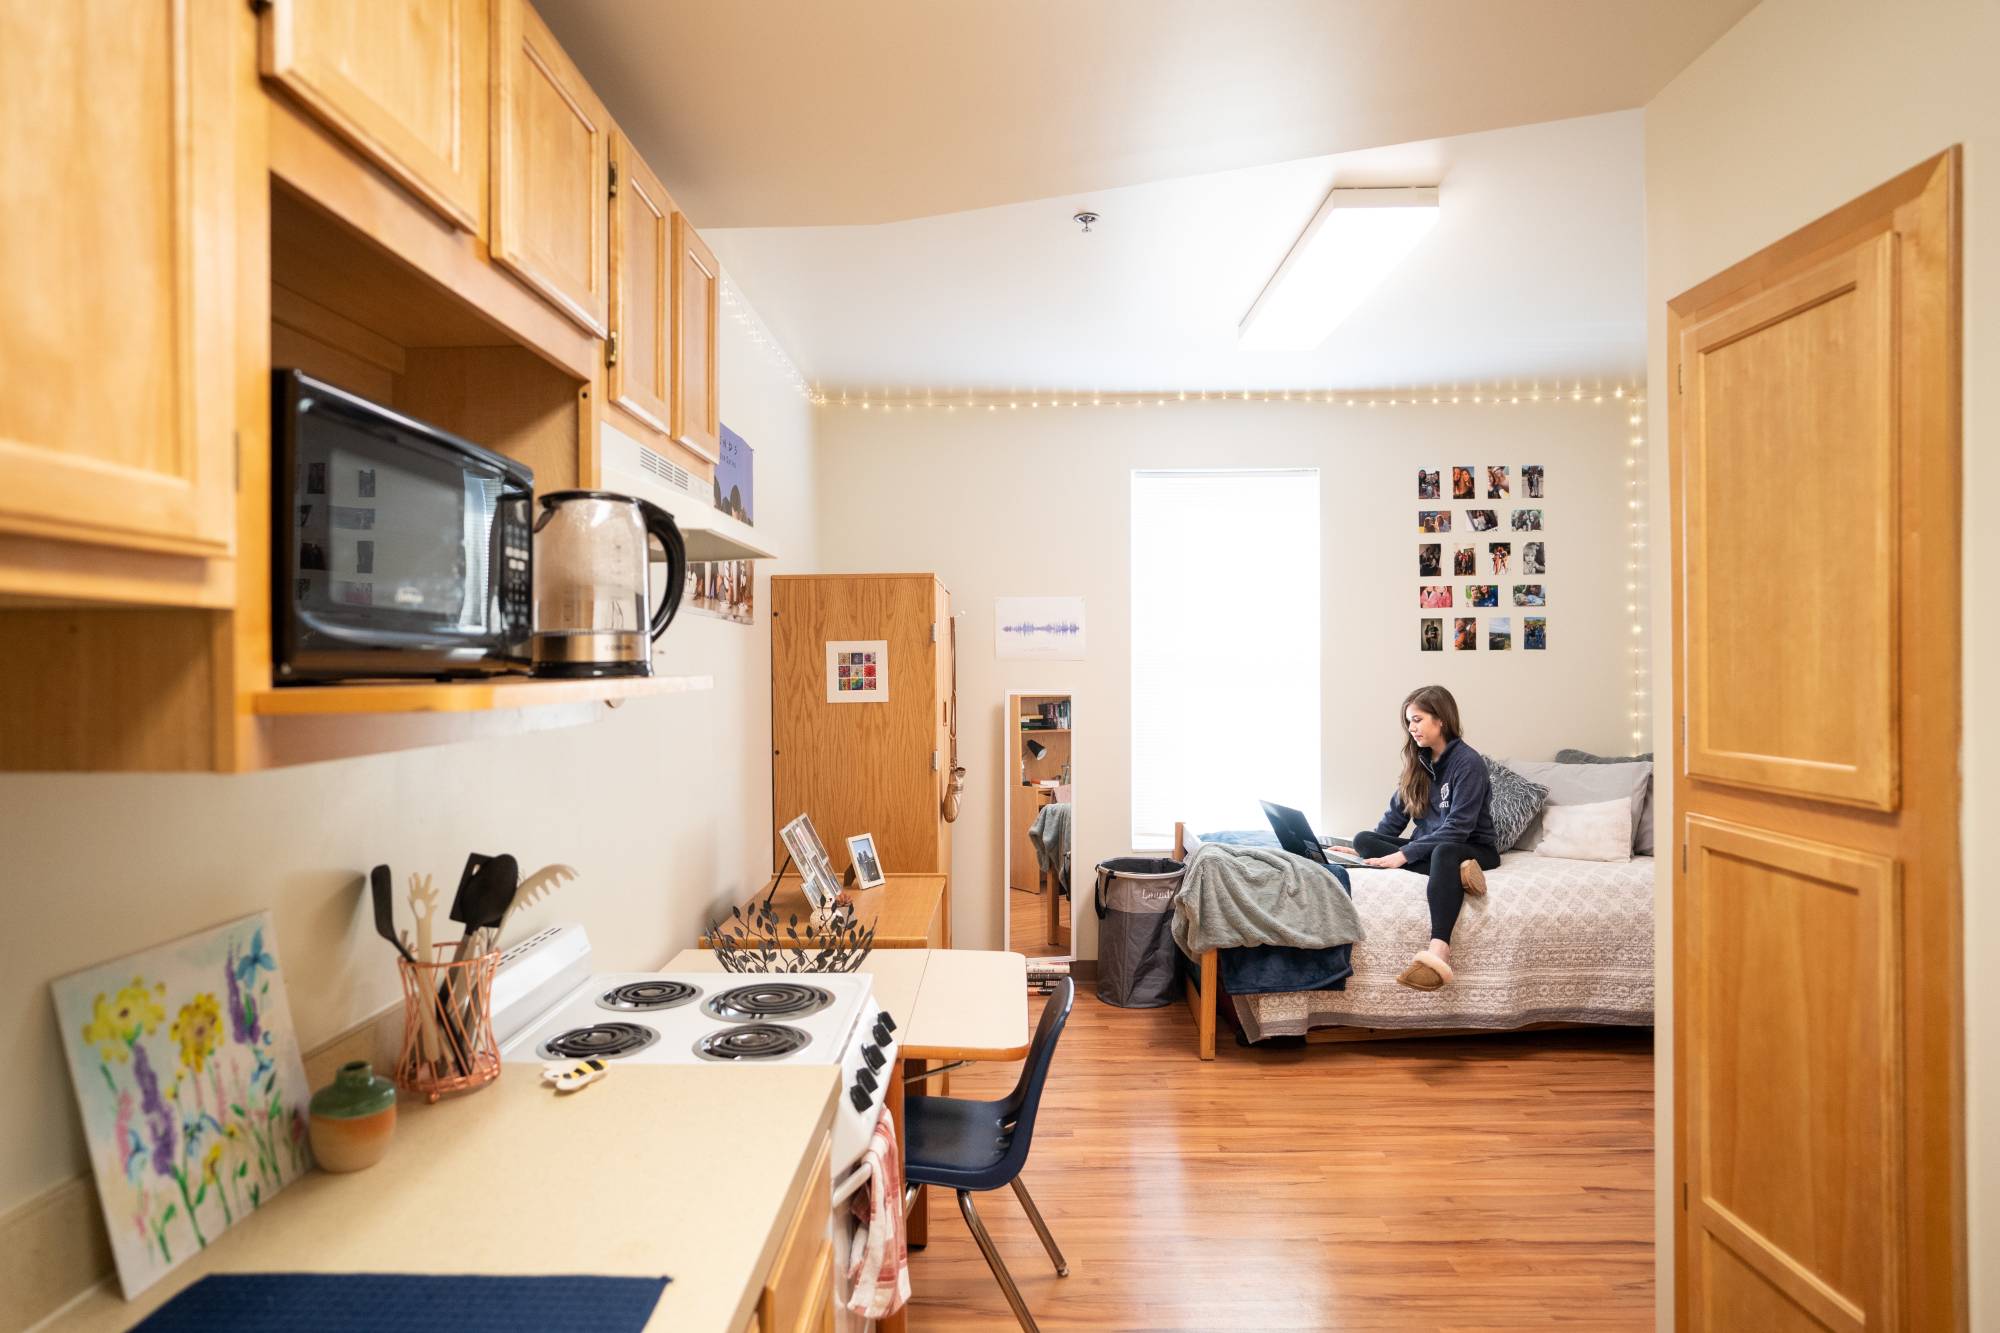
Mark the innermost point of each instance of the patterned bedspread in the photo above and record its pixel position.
(1552, 941)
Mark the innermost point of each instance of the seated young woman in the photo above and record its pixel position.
(1445, 792)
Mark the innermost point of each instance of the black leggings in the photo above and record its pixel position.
(1446, 891)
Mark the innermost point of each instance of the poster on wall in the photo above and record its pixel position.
(1048, 628)
(722, 588)
(187, 1071)
(857, 671)
(733, 466)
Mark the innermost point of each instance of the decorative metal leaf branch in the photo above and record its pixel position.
(752, 941)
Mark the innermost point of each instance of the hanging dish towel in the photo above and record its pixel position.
(878, 1267)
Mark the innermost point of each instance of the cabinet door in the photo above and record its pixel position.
(697, 413)
(404, 81)
(116, 281)
(642, 276)
(551, 170)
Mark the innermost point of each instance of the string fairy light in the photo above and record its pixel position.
(746, 319)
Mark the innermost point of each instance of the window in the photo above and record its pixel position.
(1225, 649)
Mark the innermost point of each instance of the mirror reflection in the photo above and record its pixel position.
(1040, 786)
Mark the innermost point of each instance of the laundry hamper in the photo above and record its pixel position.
(1136, 966)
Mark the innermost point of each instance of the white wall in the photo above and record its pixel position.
(1036, 502)
(663, 806)
(1802, 106)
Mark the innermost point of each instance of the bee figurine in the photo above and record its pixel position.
(568, 1078)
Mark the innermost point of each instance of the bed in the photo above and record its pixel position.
(1553, 943)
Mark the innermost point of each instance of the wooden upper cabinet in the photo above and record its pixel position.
(404, 81)
(117, 331)
(551, 169)
(642, 281)
(697, 307)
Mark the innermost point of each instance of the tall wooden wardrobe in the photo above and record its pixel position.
(880, 762)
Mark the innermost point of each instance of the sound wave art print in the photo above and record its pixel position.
(1050, 628)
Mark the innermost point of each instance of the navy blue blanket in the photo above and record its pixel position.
(1277, 968)
(338, 1302)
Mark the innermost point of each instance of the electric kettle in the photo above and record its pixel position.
(592, 572)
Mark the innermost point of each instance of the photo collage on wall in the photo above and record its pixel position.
(1496, 535)
(726, 589)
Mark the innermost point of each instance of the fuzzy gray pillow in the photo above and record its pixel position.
(1642, 839)
(1515, 803)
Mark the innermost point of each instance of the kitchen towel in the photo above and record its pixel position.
(879, 1258)
(418, 1302)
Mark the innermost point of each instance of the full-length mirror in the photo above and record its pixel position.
(1040, 787)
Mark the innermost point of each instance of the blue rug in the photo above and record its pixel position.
(419, 1303)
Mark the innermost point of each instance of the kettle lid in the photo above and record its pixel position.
(550, 499)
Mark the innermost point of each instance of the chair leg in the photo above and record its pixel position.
(994, 1262)
(1041, 1227)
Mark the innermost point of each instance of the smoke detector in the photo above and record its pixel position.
(1086, 217)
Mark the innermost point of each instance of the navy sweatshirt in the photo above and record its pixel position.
(1461, 807)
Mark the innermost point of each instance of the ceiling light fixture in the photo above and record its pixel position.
(1086, 218)
(1345, 252)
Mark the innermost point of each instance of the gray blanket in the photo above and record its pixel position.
(1050, 834)
(1236, 897)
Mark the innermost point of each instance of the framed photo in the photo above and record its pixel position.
(867, 865)
(816, 875)
(857, 671)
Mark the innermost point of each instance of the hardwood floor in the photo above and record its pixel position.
(1501, 1182)
(1028, 927)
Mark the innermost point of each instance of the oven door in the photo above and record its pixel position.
(399, 550)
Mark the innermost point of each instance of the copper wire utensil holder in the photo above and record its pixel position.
(459, 997)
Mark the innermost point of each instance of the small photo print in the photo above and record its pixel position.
(1433, 520)
(1529, 594)
(1483, 520)
(1430, 634)
(1481, 594)
(364, 557)
(1531, 481)
(353, 594)
(315, 478)
(857, 671)
(1462, 485)
(1496, 483)
(1465, 634)
(312, 555)
(1430, 560)
(354, 518)
(1533, 559)
(1527, 520)
(1535, 633)
(1499, 634)
(1465, 561)
(1501, 553)
(1434, 595)
(364, 483)
(1427, 483)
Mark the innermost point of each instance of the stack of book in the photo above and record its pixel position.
(1048, 717)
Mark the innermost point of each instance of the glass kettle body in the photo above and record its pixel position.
(593, 612)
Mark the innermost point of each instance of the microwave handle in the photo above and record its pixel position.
(660, 524)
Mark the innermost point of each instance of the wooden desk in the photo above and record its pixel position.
(907, 911)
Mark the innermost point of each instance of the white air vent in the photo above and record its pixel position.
(666, 470)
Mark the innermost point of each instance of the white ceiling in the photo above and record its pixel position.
(1535, 271)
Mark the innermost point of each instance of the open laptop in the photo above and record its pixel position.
(1296, 836)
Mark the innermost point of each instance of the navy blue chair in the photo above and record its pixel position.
(967, 1146)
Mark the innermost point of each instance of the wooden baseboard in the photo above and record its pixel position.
(54, 1247)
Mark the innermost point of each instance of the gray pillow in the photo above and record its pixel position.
(1642, 840)
(1515, 803)
(1587, 784)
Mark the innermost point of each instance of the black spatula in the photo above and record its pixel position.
(385, 909)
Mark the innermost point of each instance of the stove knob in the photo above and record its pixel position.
(859, 1096)
(866, 1078)
(886, 1021)
(882, 1030)
(873, 1055)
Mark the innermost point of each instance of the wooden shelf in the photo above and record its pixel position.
(1052, 731)
(470, 696)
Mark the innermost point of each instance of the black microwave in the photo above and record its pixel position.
(398, 549)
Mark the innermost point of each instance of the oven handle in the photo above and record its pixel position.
(854, 1181)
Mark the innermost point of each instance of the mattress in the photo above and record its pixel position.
(1553, 940)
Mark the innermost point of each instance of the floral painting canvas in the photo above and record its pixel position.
(187, 1071)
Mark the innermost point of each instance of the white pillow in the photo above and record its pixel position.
(1598, 832)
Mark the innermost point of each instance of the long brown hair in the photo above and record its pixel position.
(1415, 787)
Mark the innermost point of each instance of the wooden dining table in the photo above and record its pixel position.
(952, 1005)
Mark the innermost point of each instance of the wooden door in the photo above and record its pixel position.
(1818, 1037)
(640, 351)
(404, 81)
(697, 307)
(857, 767)
(117, 333)
(551, 168)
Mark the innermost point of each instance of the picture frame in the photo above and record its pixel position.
(867, 861)
(816, 878)
(857, 671)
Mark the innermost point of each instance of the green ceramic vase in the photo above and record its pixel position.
(353, 1118)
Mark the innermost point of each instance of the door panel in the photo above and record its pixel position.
(1789, 402)
(697, 306)
(642, 272)
(1794, 1021)
(404, 81)
(552, 170)
(117, 332)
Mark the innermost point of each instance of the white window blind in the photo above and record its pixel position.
(1225, 649)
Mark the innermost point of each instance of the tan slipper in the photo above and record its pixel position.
(1426, 971)
(1473, 876)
